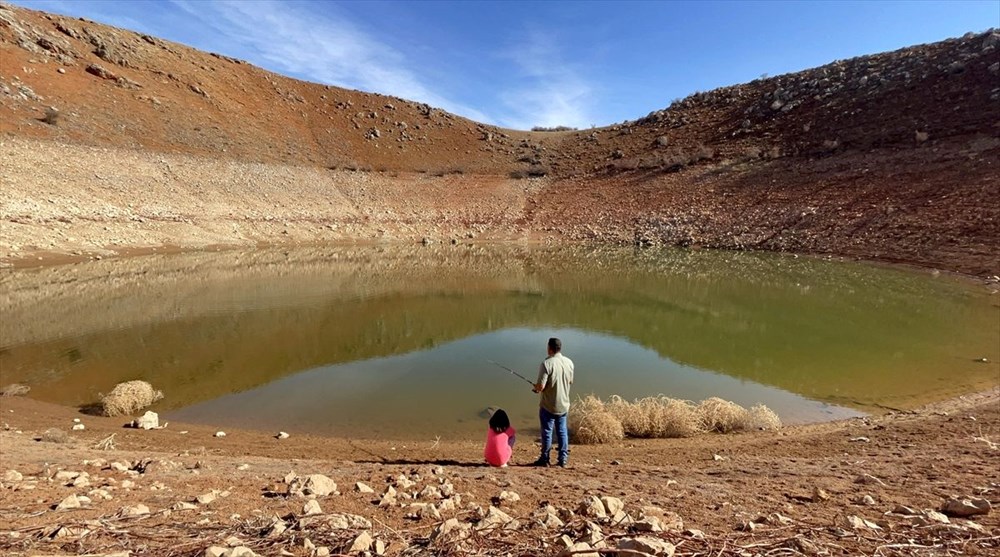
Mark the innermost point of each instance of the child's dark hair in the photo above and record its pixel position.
(499, 422)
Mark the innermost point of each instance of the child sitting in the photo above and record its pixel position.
(499, 440)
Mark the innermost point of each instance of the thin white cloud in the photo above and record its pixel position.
(550, 91)
(320, 47)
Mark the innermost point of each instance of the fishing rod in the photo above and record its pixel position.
(529, 381)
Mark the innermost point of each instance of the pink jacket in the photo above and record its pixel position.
(499, 446)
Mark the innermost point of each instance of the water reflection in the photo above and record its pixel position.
(407, 331)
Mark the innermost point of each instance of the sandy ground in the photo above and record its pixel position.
(799, 487)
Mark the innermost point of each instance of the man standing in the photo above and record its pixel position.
(555, 376)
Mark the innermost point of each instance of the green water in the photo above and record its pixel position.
(378, 341)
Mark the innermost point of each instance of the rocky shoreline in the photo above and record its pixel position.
(916, 483)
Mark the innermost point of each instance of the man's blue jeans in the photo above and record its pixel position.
(549, 420)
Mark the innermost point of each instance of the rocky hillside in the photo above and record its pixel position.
(892, 156)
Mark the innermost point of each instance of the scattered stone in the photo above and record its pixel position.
(217, 551)
(220, 433)
(361, 543)
(388, 498)
(920, 136)
(183, 506)
(593, 507)
(860, 440)
(648, 546)
(137, 510)
(348, 522)
(613, 505)
(819, 494)
(904, 510)
(579, 549)
(964, 508)
(79, 427)
(868, 479)
(311, 508)
(508, 497)
(858, 523)
(70, 532)
(281, 435)
(149, 420)
(12, 476)
(70, 502)
(449, 531)
(867, 501)
(313, 484)
(496, 519)
(206, 498)
(431, 492)
(363, 488)
(648, 524)
(423, 510)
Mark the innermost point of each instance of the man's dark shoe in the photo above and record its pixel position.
(563, 465)
(540, 462)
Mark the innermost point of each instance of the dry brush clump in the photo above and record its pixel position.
(590, 423)
(15, 389)
(129, 397)
(593, 421)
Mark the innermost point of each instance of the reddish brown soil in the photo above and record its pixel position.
(918, 460)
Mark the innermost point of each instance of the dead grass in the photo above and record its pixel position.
(723, 416)
(590, 423)
(129, 397)
(663, 417)
(15, 389)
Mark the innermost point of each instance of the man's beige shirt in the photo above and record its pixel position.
(555, 375)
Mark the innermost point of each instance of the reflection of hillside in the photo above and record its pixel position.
(207, 324)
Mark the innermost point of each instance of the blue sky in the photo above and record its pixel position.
(524, 64)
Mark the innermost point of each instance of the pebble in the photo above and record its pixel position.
(12, 476)
(280, 435)
(79, 427)
(220, 433)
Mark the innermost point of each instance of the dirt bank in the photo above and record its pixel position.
(799, 487)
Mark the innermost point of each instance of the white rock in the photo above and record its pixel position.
(323, 552)
(450, 530)
(361, 543)
(579, 549)
(648, 546)
(313, 484)
(593, 507)
(612, 505)
(70, 502)
(281, 435)
(424, 510)
(509, 497)
(348, 522)
(79, 427)
(220, 433)
(430, 492)
(311, 507)
(71, 532)
(149, 420)
(648, 524)
(962, 508)
(206, 498)
(183, 506)
(66, 475)
(119, 467)
(12, 476)
(363, 488)
(496, 519)
(137, 510)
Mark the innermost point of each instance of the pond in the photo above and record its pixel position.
(396, 341)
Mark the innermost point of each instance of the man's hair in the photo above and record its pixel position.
(555, 344)
(499, 422)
